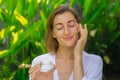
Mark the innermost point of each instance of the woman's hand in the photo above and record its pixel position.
(36, 74)
(78, 63)
(82, 40)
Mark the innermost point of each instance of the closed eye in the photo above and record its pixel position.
(71, 24)
(59, 27)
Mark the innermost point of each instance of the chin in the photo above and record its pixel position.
(70, 45)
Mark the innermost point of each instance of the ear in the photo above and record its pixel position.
(53, 35)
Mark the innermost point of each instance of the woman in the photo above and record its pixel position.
(65, 43)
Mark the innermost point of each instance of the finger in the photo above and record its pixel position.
(53, 69)
(34, 68)
(85, 30)
(35, 73)
(85, 27)
(33, 77)
(85, 33)
(81, 30)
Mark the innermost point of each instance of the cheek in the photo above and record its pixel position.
(76, 30)
(56, 34)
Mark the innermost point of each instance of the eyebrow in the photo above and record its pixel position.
(71, 21)
(58, 24)
(68, 22)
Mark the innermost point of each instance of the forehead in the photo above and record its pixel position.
(63, 17)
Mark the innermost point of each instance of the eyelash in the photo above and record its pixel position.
(71, 25)
(60, 28)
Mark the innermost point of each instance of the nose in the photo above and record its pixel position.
(66, 31)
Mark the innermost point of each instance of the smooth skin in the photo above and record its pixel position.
(69, 54)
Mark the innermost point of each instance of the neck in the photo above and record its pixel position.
(66, 53)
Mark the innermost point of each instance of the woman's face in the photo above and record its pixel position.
(65, 29)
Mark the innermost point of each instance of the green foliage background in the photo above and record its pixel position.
(23, 27)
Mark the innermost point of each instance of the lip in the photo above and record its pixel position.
(67, 38)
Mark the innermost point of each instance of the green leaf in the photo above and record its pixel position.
(10, 5)
(94, 13)
(114, 35)
(112, 25)
(42, 15)
(87, 5)
(32, 8)
(72, 2)
(24, 38)
(1, 2)
(107, 59)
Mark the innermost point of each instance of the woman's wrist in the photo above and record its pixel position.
(78, 67)
(78, 55)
